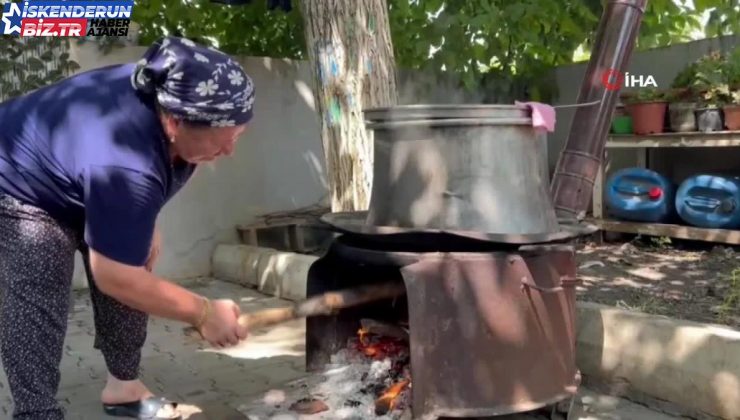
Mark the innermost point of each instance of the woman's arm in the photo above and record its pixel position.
(140, 289)
(121, 208)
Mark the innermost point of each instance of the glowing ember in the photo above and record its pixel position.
(378, 347)
(391, 392)
(390, 398)
(369, 378)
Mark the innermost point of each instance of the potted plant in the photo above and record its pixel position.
(682, 100)
(732, 111)
(711, 84)
(647, 107)
(732, 108)
(709, 116)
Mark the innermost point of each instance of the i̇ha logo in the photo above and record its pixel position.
(613, 79)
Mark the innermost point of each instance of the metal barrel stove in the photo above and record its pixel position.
(461, 213)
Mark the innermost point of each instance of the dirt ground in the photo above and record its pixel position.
(697, 282)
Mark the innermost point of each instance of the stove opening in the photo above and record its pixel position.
(327, 335)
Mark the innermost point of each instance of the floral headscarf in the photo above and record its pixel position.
(196, 83)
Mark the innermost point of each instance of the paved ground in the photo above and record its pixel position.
(212, 383)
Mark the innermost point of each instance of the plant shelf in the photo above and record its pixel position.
(641, 143)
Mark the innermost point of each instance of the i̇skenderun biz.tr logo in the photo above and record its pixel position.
(67, 18)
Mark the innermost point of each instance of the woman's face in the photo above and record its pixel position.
(195, 144)
(199, 144)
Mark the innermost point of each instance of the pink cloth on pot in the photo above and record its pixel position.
(543, 115)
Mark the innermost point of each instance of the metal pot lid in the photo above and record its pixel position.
(446, 111)
(354, 223)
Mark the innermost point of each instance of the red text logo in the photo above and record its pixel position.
(613, 79)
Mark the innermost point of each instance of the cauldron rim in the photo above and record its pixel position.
(426, 112)
(354, 223)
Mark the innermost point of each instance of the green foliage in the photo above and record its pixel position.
(731, 303)
(685, 78)
(644, 95)
(716, 95)
(724, 16)
(709, 70)
(713, 79)
(682, 88)
(667, 22)
(735, 96)
(715, 74)
(504, 48)
(732, 68)
(21, 72)
(245, 30)
(500, 45)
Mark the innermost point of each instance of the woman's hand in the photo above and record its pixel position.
(221, 327)
(154, 250)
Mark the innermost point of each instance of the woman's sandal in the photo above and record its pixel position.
(146, 409)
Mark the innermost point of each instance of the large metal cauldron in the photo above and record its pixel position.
(460, 168)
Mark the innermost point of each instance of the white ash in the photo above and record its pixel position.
(340, 386)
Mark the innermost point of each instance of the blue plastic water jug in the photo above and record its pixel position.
(710, 201)
(641, 195)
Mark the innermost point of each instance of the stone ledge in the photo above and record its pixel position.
(688, 363)
(277, 273)
(694, 365)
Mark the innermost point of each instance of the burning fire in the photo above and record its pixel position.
(388, 401)
(379, 347)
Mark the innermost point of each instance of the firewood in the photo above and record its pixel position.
(384, 329)
(324, 304)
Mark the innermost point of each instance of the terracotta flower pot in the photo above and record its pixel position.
(732, 116)
(647, 117)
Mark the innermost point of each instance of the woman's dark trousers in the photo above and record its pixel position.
(36, 269)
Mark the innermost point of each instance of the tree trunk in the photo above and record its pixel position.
(351, 54)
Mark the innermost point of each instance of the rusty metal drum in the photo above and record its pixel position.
(460, 168)
(492, 332)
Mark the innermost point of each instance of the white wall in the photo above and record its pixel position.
(278, 165)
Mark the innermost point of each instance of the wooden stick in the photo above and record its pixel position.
(384, 329)
(324, 304)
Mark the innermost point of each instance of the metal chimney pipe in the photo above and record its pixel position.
(578, 165)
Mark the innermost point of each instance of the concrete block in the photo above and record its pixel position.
(691, 364)
(281, 274)
(238, 263)
(284, 274)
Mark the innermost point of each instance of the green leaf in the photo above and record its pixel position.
(72, 66)
(34, 64)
